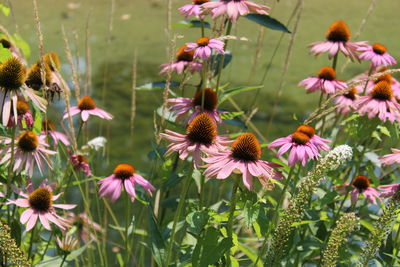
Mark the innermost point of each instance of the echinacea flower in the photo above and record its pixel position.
(81, 163)
(182, 106)
(67, 243)
(345, 102)
(49, 129)
(87, 106)
(361, 185)
(201, 137)
(378, 55)
(325, 81)
(390, 159)
(337, 40)
(389, 190)
(85, 226)
(303, 144)
(29, 151)
(40, 204)
(379, 103)
(23, 114)
(123, 176)
(245, 158)
(234, 8)
(204, 46)
(184, 60)
(193, 9)
(395, 84)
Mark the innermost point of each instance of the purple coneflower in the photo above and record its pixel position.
(379, 103)
(81, 163)
(390, 159)
(193, 9)
(234, 8)
(325, 81)
(245, 158)
(337, 39)
(24, 115)
(67, 243)
(182, 106)
(183, 60)
(85, 226)
(304, 145)
(345, 102)
(40, 204)
(87, 106)
(29, 150)
(201, 137)
(204, 46)
(389, 190)
(361, 185)
(49, 129)
(377, 54)
(124, 176)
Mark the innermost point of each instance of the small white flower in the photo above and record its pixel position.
(337, 156)
(97, 143)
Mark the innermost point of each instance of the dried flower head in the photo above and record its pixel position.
(12, 74)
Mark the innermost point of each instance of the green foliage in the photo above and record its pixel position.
(268, 22)
(192, 24)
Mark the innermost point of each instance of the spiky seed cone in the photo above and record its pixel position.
(12, 74)
(34, 80)
(52, 60)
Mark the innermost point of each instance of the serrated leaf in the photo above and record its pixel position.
(191, 24)
(268, 22)
(234, 91)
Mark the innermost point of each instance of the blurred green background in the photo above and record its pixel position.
(141, 25)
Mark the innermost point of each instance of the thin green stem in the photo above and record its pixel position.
(335, 60)
(47, 245)
(231, 218)
(31, 242)
(127, 220)
(366, 83)
(63, 260)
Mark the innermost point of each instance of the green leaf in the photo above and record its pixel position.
(383, 130)
(230, 115)
(267, 21)
(16, 232)
(250, 213)
(367, 225)
(197, 220)
(234, 91)
(303, 222)
(250, 253)
(191, 24)
(4, 53)
(218, 58)
(156, 86)
(24, 46)
(5, 9)
(157, 242)
(37, 126)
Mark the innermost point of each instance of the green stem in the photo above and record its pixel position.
(10, 172)
(178, 212)
(231, 217)
(63, 260)
(395, 247)
(31, 242)
(366, 83)
(127, 220)
(47, 246)
(221, 63)
(202, 27)
(334, 62)
(201, 197)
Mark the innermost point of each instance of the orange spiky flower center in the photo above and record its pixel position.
(124, 171)
(34, 79)
(338, 32)
(48, 125)
(200, 2)
(351, 94)
(28, 141)
(246, 148)
(300, 138)
(202, 130)
(379, 49)
(327, 73)
(203, 41)
(210, 99)
(182, 55)
(382, 91)
(361, 183)
(5, 43)
(52, 60)
(306, 129)
(12, 74)
(81, 159)
(86, 103)
(41, 199)
(22, 107)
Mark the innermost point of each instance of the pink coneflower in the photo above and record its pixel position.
(29, 150)
(379, 103)
(81, 163)
(395, 84)
(67, 243)
(49, 129)
(345, 102)
(377, 54)
(87, 106)
(201, 137)
(184, 60)
(390, 159)
(23, 114)
(85, 226)
(124, 175)
(245, 158)
(337, 39)
(194, 9)
(234, 8)
(325, 81)
(40, 205)
(304, 145)
(204, 46)
(361, 185)
(389, 190)
(182, 106)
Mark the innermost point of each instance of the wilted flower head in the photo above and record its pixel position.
(245, 158)
(34, 79)
(184, 59)
(337, 40)
(345, 102)
(23, 114)
(86, 107)
(325, 81)
(378, 55)
(49, 129)
(40, 204)
(124, 176)
(67, 243)
(81, 163)
(204, 46)
(85, 225)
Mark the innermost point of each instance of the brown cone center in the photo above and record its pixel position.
(351, 94)
(306, 129)
(86, 103)
(202, 130)
(182, 55)
(327, 73)
(124, 171)
(22, 107)
(210, 99)
(300, 138)
(41, 199)
(12, 74)
(338, 32)
(246, 148)
(382, 91)
(361, 183)
(203, 41)
(28, 142)
(379, 49)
